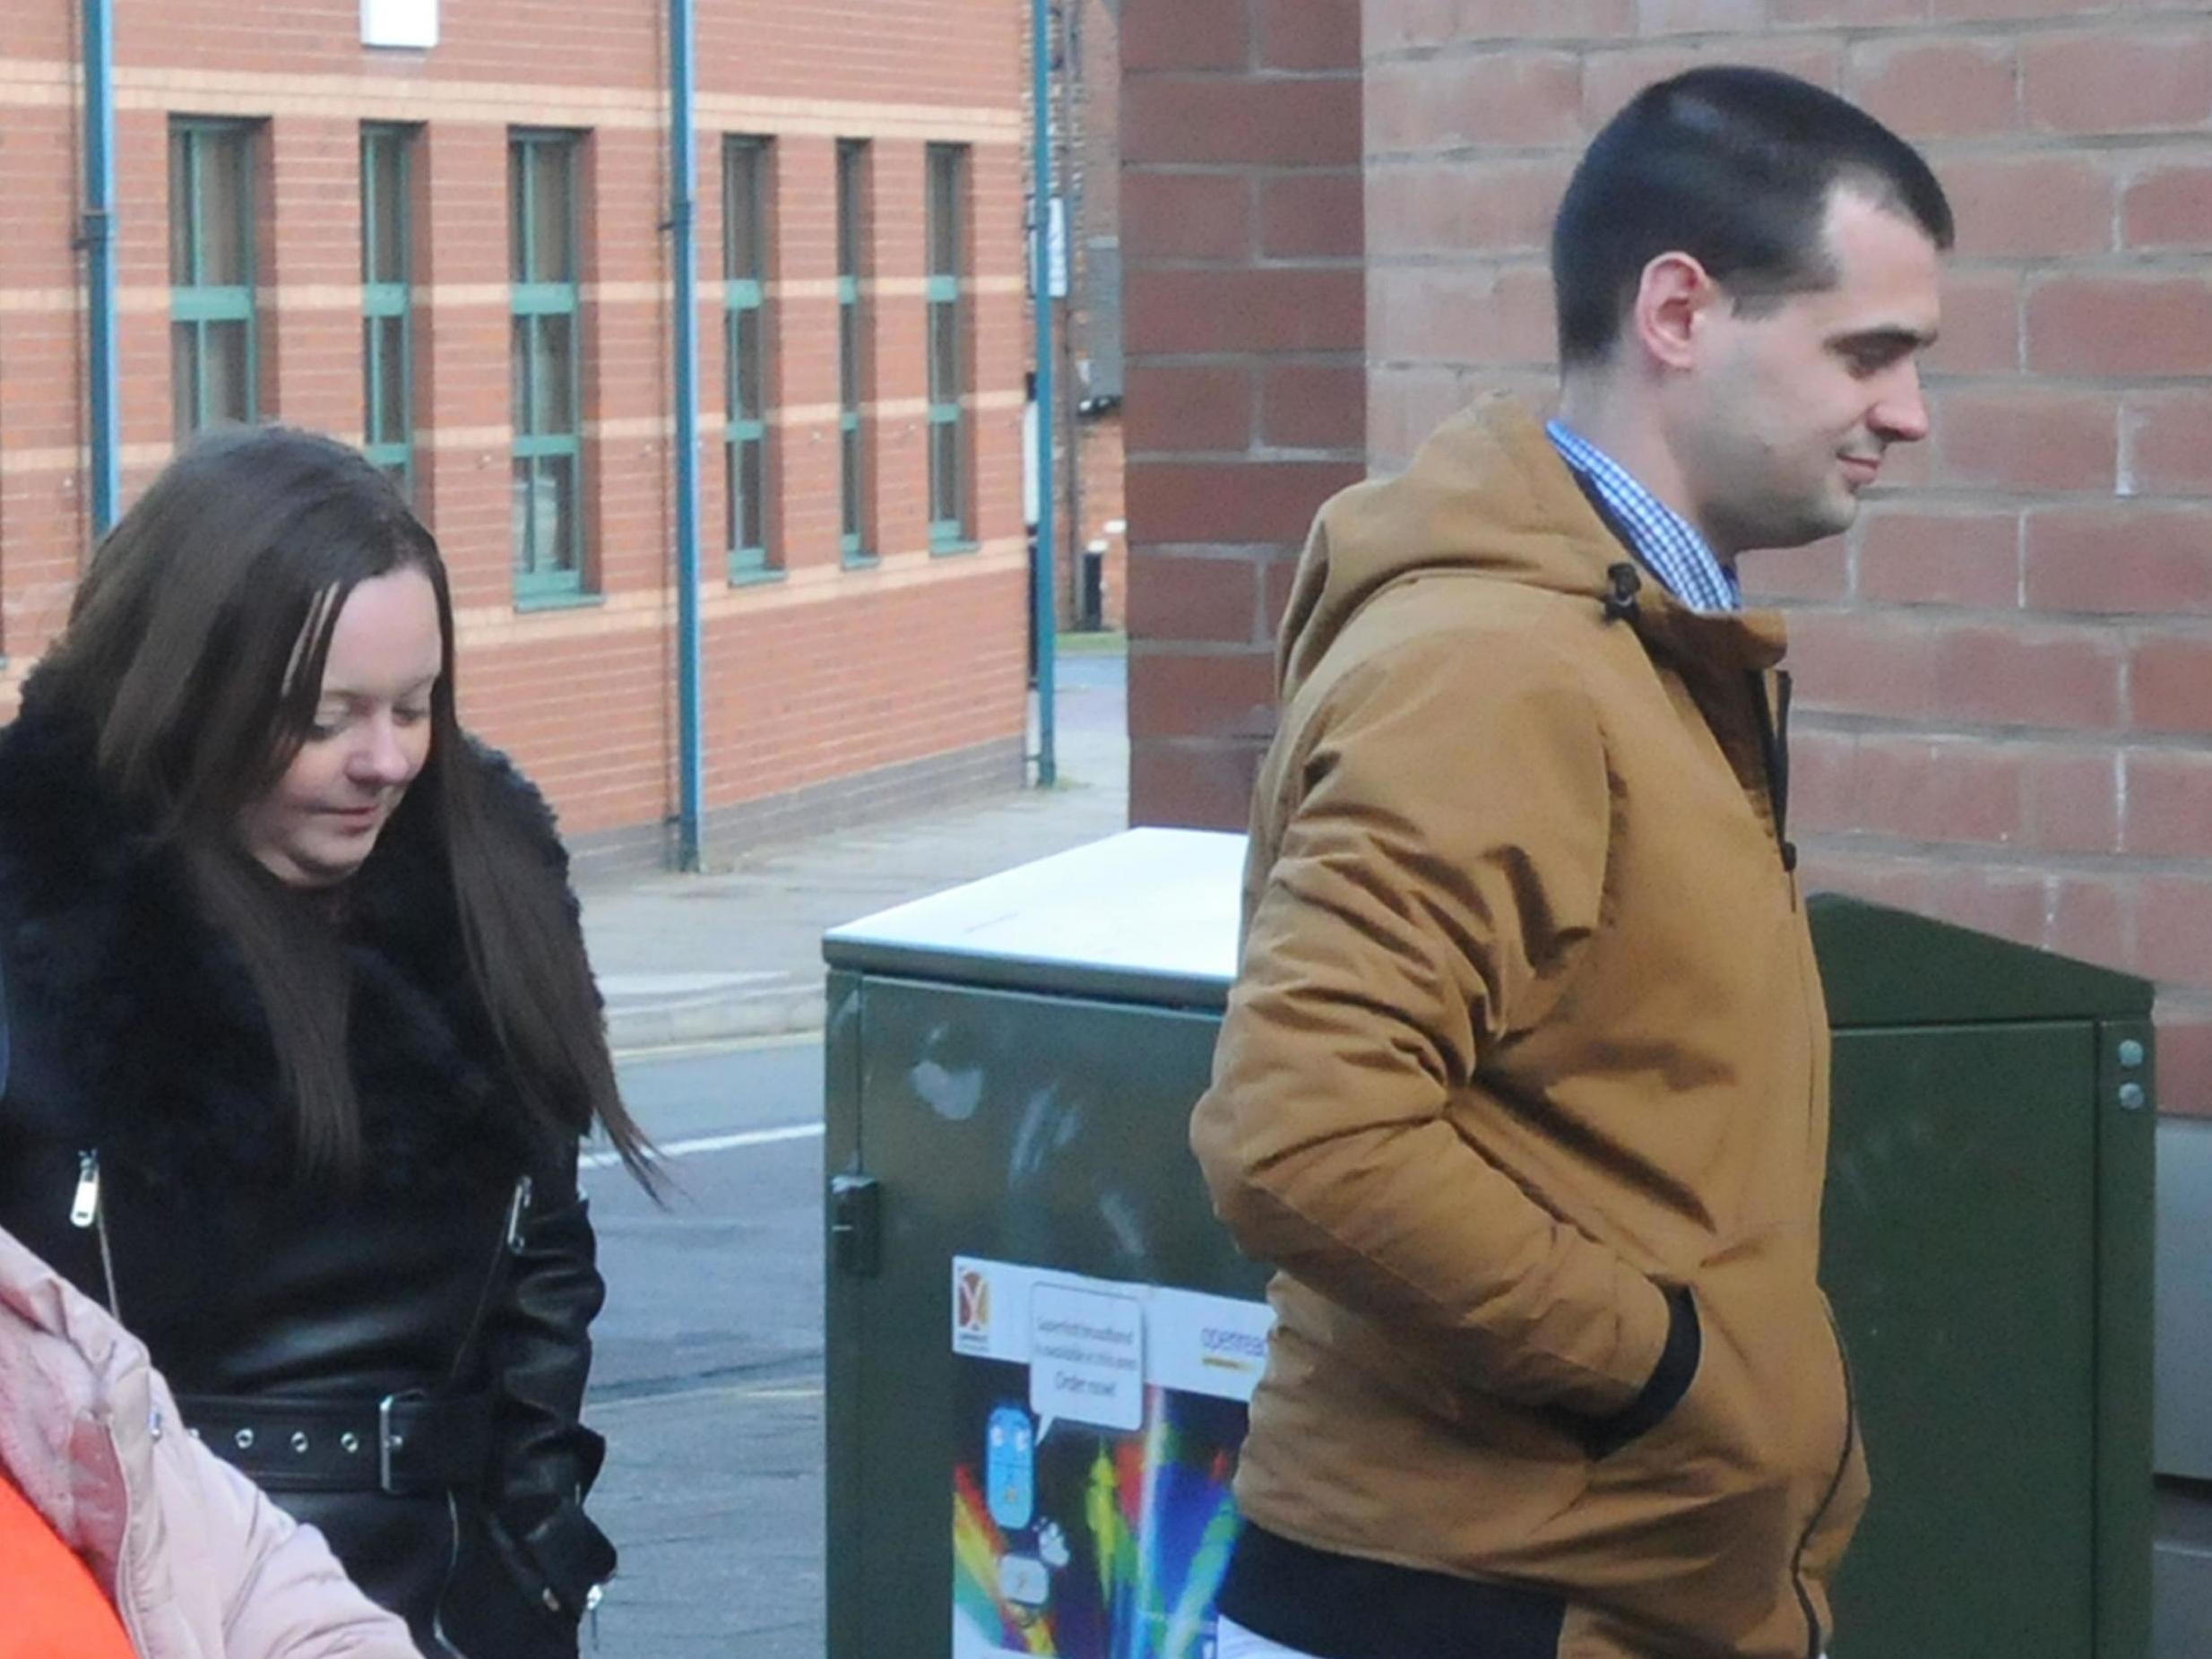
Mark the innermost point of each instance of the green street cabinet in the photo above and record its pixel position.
(1040, 1343)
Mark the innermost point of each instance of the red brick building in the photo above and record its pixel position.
(322, 231)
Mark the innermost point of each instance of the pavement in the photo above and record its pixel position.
(736, 951)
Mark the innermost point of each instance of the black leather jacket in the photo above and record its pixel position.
(144, 1153)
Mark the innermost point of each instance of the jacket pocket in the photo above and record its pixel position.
(1697, 1525)
(1770, 1404)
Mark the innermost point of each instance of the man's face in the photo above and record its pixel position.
(1791, 409)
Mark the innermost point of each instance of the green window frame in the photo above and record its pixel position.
(387, 301)
(852, 365)
(543, 177)
(946, 234)
(214, 337)
(747, 172)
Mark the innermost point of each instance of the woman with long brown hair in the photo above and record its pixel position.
(303, 1037)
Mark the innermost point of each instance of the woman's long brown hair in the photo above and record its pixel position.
(194, 652)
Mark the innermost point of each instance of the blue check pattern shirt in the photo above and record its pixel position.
(1666, 543)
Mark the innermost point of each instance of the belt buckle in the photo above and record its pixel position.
(388, 1443)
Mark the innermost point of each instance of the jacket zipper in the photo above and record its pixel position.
(1836, 1482)
(1773, 739)
(517, 1208)
(1774, 736)
(128, 1613)
(86, 1210)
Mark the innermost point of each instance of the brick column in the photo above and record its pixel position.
(1242, 209)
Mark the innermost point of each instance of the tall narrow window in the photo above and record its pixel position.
(745, 175)
(387, 303)
(852, 365)
(214, 356)
(946, 232)
(546, 380)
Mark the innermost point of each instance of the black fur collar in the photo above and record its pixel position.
(138, 1028)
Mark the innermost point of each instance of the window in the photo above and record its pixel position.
(546, 381)
(946, 232)
(745, 175)
(215, 358)
(387, 325)
(853, 368)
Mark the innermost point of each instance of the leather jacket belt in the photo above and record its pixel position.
(403, 1444)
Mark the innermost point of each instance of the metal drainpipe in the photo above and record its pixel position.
(96, 236)
(683, 186)
(1048, 409)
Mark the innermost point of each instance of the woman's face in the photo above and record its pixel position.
(319, 822)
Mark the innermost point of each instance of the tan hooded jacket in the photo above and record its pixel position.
(1528, 1026)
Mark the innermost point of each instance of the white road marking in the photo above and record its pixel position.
(716, 1142)
(649, 1053)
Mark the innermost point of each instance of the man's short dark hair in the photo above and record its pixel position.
(1734, 166)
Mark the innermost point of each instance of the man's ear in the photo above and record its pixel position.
(1672, 298)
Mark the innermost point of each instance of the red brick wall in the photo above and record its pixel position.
(1242, 195)
(823, 673)
(2005, 670)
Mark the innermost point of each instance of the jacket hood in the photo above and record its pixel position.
(1488, 495)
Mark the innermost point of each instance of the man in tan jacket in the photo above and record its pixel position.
(1523, 1082)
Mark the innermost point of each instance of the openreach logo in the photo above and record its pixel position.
(1230, 1349)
